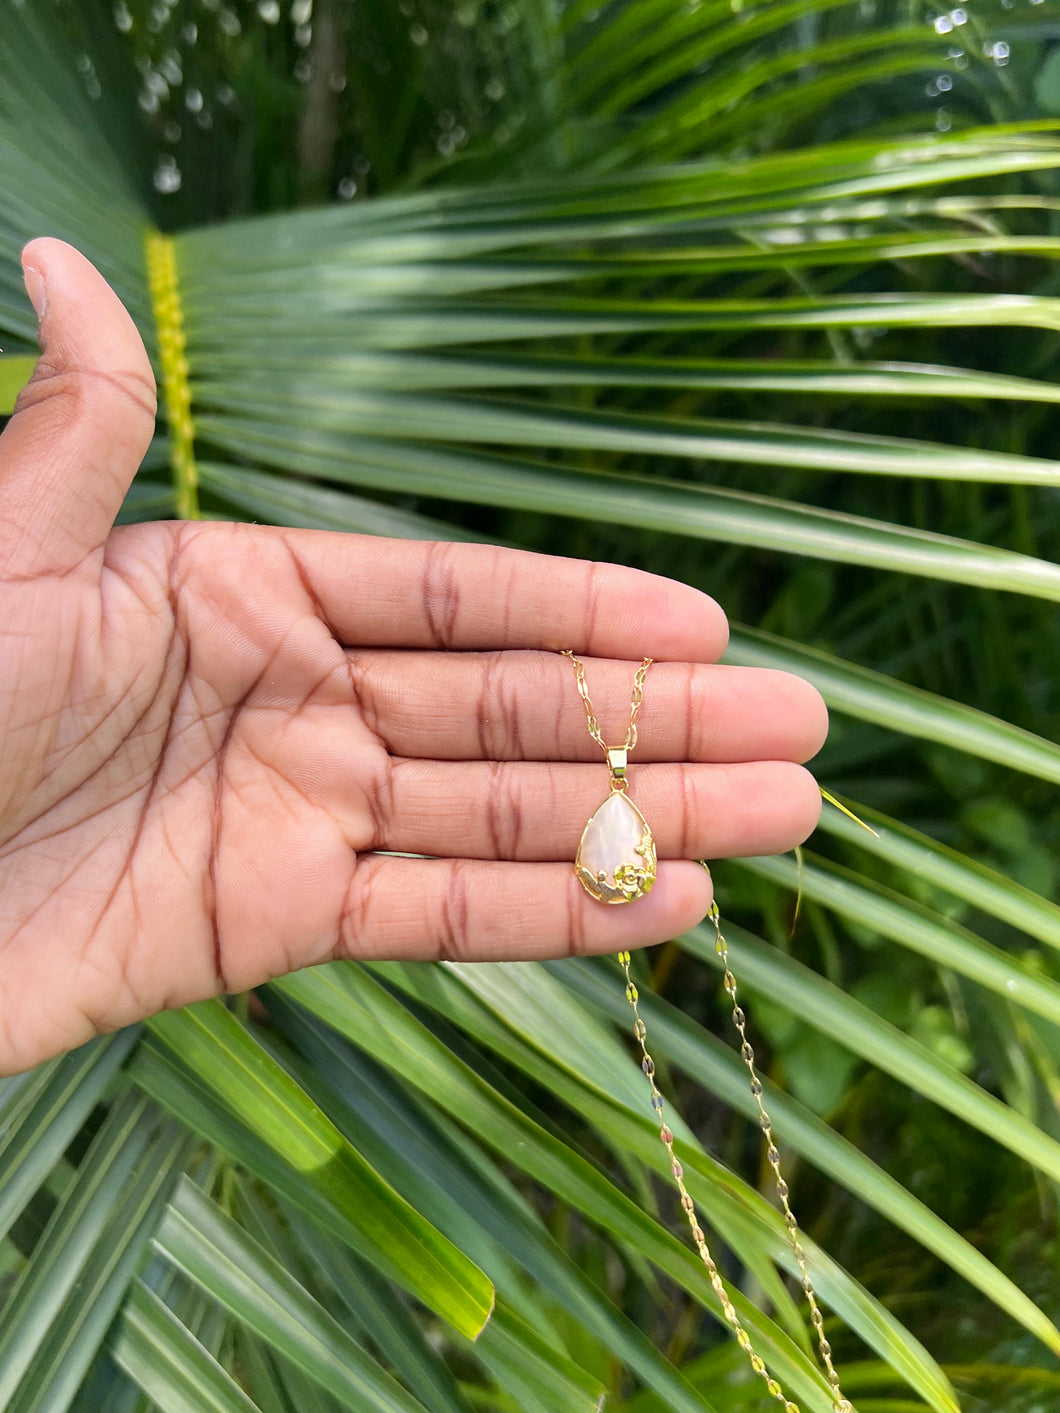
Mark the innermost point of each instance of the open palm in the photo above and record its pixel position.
(216, 737)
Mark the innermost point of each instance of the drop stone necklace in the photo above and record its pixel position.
(616, 863)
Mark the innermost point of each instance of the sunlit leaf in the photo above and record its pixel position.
(245, 1081)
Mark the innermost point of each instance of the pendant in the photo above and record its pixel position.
(616, 859)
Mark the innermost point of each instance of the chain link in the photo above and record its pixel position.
(636, 698)
(743, 1339)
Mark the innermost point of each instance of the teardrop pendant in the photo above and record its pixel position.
(616, 859)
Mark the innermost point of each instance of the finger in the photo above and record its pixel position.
(82, 424)
(411, 593)
(533, 811)
(525, 706)
(461, 910)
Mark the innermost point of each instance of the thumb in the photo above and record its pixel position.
(82, 424)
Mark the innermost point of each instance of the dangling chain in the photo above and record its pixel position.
(743, 1339)
(617, 762)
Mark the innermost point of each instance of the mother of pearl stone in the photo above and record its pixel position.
(617, 834)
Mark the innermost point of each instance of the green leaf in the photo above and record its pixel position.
(653, 504)
(786, 983)
(548, 1381)
(371, 1305)
(620, 206)
(872, 696)
(1047, 85)
(247, 1082)
(738, 1213)
(962, 877)
(351, 1001)
(191, 1099)
(386, 322)
(376, 413)
(463, 1193)
(234, 1270)
(719, 1070)
(40, 1116)
(285, 502)
(79, 1325)
(177, 1373)
(468, 369)
(68, 1243)
(943, 942)
(259, 1374)
(15, 372)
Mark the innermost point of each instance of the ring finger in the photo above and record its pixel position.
(536, 811)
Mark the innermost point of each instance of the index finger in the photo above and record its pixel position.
(431, 594)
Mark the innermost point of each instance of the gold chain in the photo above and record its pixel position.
(765, 1123)
(743, 1339)
(635, 700)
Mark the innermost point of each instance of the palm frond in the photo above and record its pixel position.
(661, 306)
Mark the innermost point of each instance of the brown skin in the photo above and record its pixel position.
(209, 730)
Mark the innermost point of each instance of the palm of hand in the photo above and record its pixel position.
(180, 809)
(210, 731)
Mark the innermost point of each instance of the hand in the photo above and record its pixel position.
(207, 731)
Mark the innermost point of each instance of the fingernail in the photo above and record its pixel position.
(38, 295)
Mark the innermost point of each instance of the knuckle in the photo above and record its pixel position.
(79, 394)
(594, 573)
(363, 694)
(505, 811)
(440, 590)
(577, 936)
(358, 913)
(380, 794)
(690, 813)
(498, 716)
(695, 713)
(52, 383)
(453, 922)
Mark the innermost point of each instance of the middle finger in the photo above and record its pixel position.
(525, 706)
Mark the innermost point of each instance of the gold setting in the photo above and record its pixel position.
(633, 878)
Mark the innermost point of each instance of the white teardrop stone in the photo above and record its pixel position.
(616, 835)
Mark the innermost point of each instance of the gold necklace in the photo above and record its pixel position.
(622, 880)
(616, 858)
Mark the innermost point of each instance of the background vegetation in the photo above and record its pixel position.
(763, 295)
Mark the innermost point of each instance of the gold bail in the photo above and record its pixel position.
(616, 761)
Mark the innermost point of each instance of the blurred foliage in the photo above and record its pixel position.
(558, 273)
